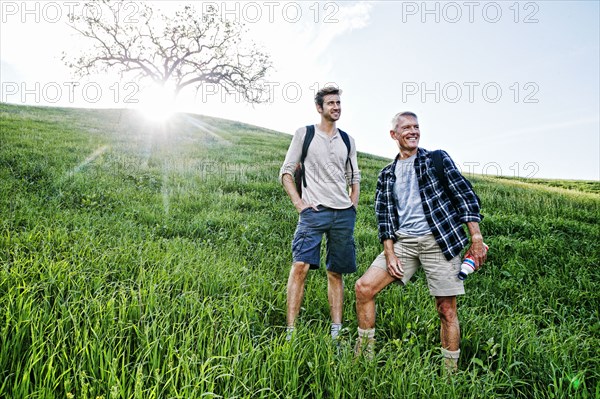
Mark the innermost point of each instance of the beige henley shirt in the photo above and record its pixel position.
(327, 176)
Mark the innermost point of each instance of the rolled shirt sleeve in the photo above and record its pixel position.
(294, 153)
(465, 199)
(352, 170)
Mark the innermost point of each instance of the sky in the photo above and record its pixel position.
(506, 88)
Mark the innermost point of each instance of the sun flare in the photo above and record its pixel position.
(157, 103)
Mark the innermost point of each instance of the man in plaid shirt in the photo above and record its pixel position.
(419, 225)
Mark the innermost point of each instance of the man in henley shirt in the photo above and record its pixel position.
(325, 207)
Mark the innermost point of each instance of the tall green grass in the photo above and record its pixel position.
(150, 261)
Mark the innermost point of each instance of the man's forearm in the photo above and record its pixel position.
(388, 246)
(290, 188)
(354, 194)
(477, 248)
(474, 232)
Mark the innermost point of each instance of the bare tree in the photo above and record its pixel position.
(183, 50)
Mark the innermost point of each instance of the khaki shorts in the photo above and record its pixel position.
(441, 274)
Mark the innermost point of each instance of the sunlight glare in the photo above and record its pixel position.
(157, 103)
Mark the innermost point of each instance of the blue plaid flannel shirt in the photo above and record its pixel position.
(445, 219)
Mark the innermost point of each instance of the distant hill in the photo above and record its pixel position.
(588, 186)
(151, 260)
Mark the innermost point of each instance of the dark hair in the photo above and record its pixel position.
(325, 91)
(399, 115)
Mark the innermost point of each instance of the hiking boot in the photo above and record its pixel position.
(365, 347)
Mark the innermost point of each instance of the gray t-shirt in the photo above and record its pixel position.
(409, 207)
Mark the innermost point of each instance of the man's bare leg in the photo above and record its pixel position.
(295, 292)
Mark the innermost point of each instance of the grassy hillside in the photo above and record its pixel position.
(586, 186)
(141, 261)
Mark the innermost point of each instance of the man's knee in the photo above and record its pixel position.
(333, 276)
(446, 308)
(299, 269)
(363, 290)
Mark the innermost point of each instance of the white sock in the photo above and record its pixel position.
(289, 331)
(335, 329)
(451, 359)
(451, 354)
(366, 333)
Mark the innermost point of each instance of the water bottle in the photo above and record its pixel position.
(468, 265)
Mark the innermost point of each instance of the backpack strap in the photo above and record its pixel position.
(346, 139)
(310, 133)
(438, 164)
